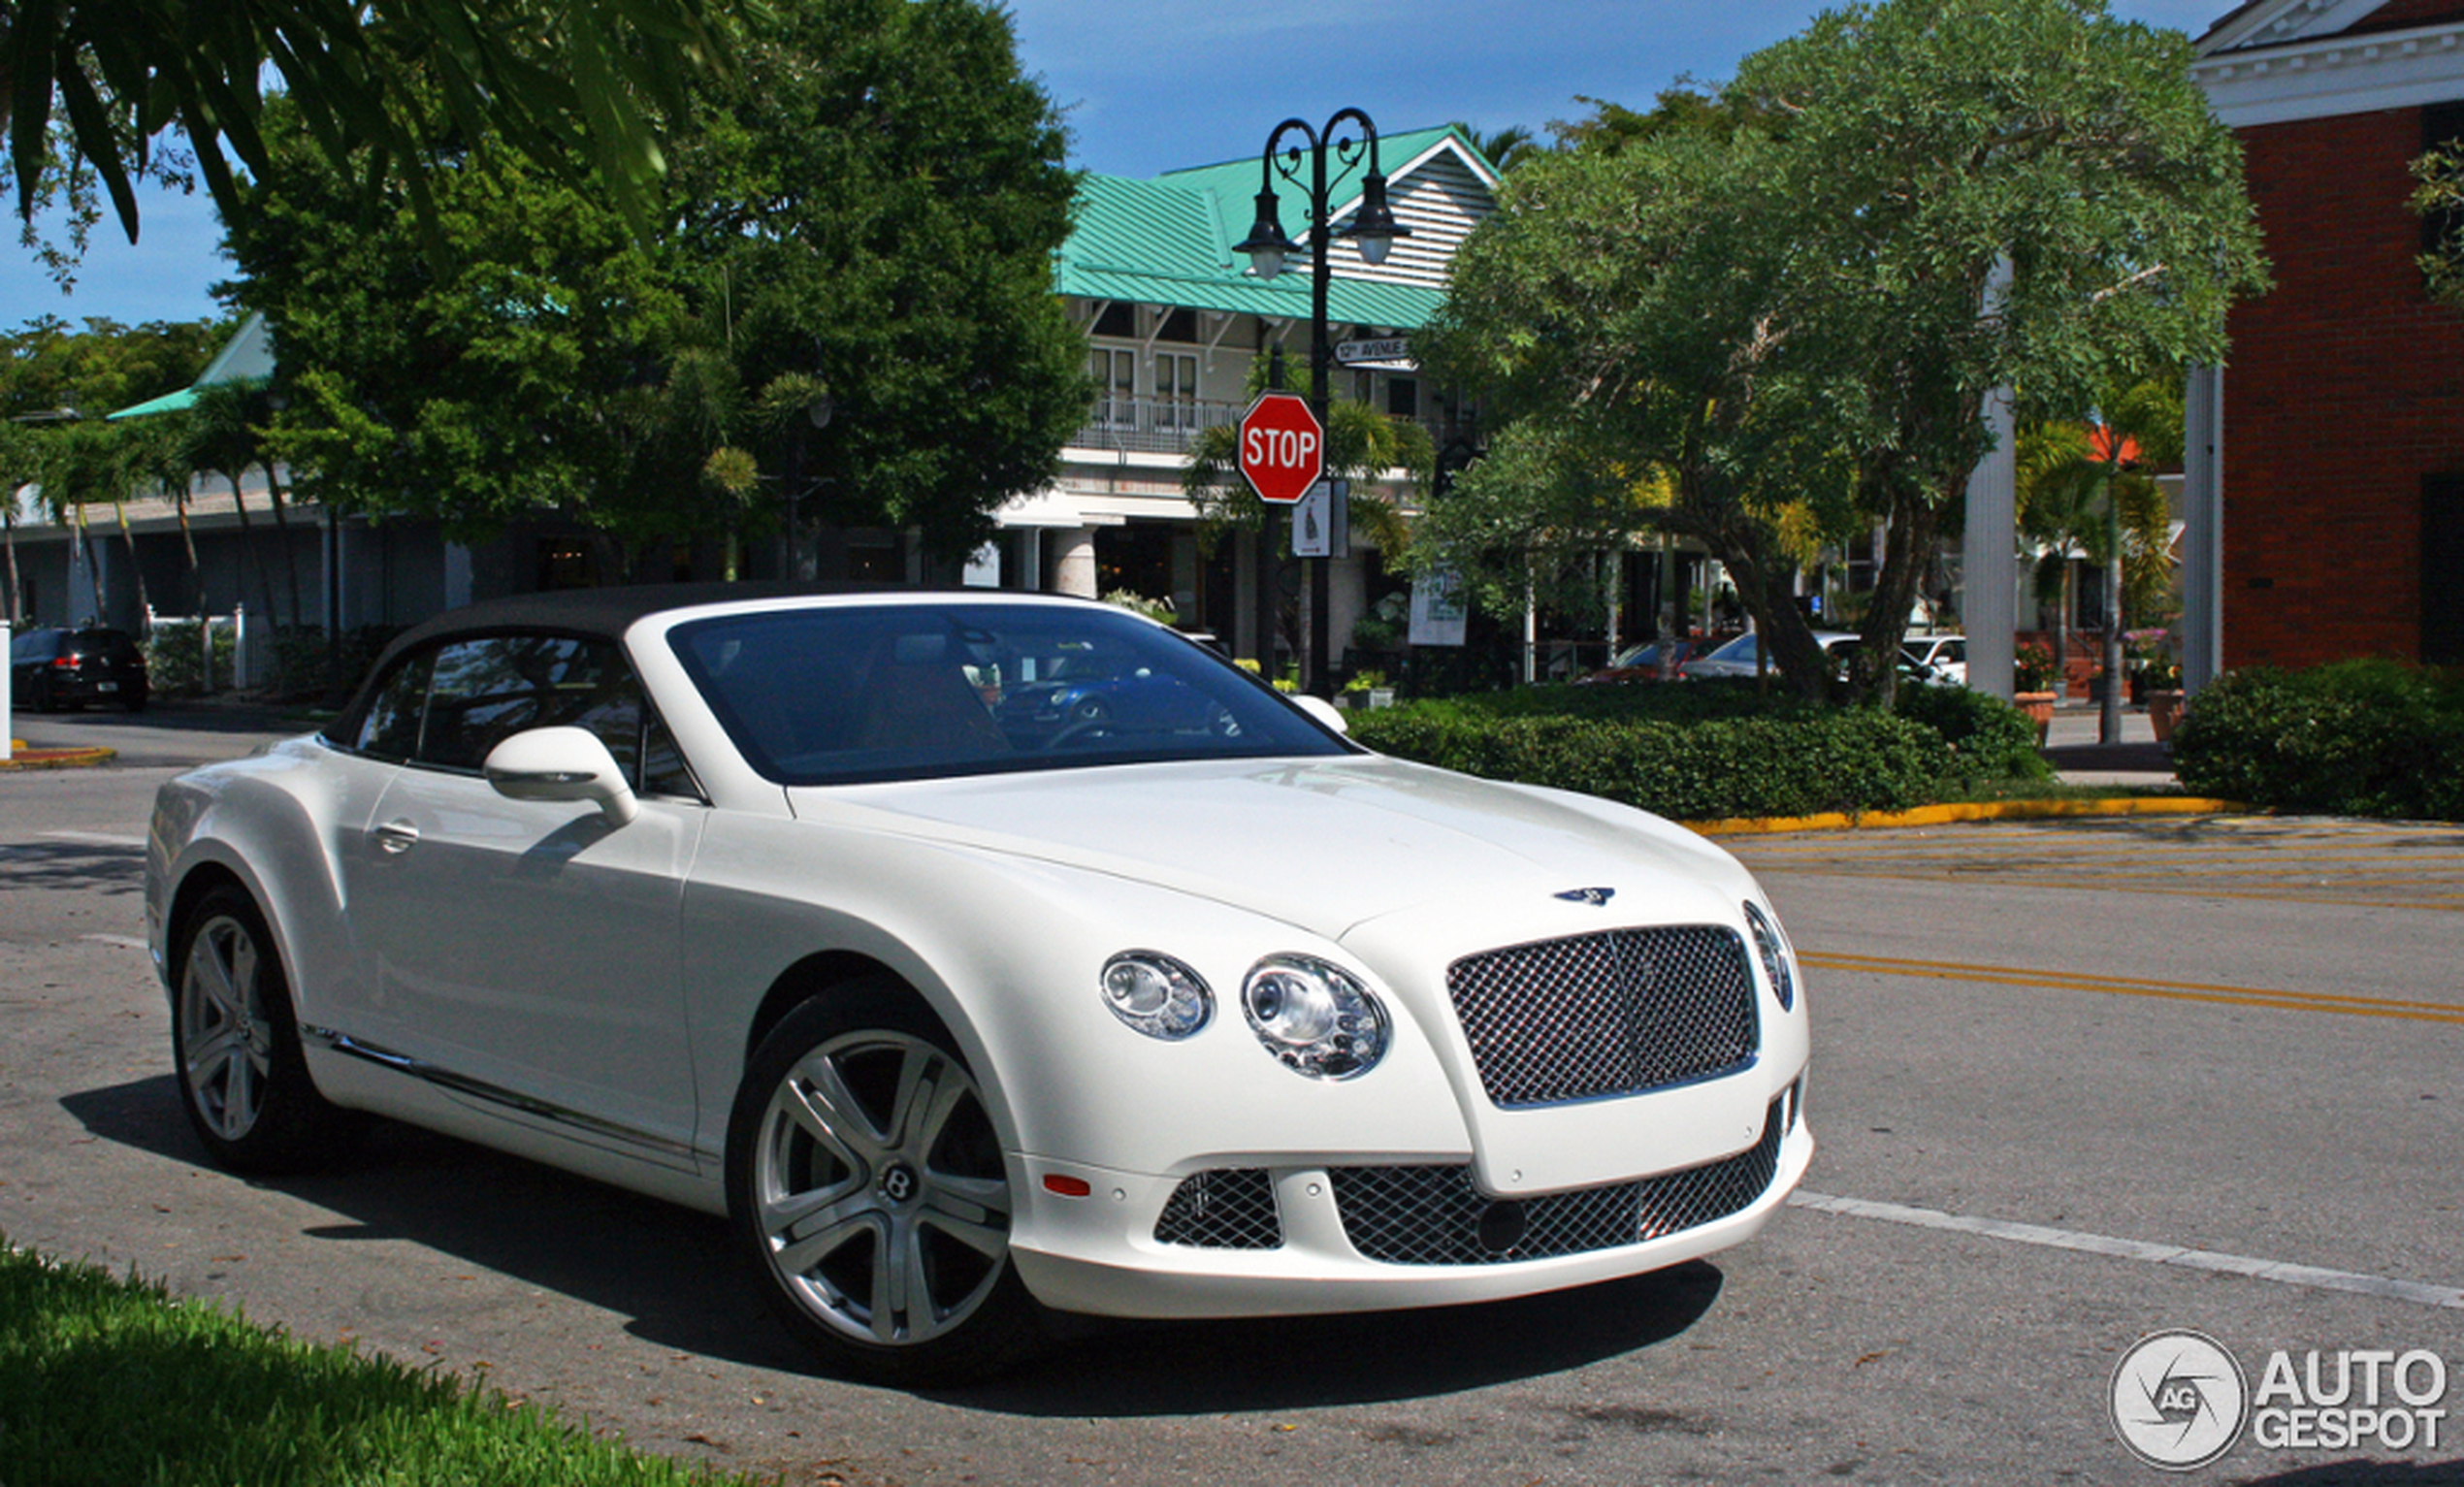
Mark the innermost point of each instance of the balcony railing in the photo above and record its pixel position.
(1153, 425)
(1171, 424)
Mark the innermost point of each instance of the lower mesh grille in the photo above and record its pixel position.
(1434, 1215)
(1224, 1208)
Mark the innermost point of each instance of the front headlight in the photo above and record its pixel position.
(1314, 1016)
(1156, 995)
(1779, 964)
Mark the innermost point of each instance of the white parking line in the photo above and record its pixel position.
(123, 941)
(97, 838)
(2280, 1271)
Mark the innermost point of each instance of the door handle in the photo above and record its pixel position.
(396, 837)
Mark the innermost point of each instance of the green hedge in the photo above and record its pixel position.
(1712, 751)
(2355, 739)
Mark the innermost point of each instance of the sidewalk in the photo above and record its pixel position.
(2138, 761)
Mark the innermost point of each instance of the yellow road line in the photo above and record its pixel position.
(2122, 986)
(2443, 903)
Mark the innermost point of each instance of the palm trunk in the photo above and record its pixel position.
(94, 561)
(9, 529)
(128, 538)
(2062, 628)
(248, 541)
(2108, 714)
(290, 554)
(188, 541)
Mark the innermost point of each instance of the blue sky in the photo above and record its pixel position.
(1148, 85)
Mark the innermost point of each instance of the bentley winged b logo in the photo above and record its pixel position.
(1591, 897)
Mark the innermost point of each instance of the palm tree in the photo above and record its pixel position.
(220, 440)
(1504, 149)
(2093, 486)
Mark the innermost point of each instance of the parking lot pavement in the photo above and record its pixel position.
(2075, 1084)
(169, 733)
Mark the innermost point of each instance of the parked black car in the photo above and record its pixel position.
(50, 669)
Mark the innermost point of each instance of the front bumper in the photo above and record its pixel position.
(1443, 1242)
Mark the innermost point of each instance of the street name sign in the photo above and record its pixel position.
(1391, 348)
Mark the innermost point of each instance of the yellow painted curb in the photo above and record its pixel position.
(1968, 810)
(22, 757)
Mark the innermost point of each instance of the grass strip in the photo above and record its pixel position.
(114, 1382)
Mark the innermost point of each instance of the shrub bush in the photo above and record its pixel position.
(1705, 750)
(1708, 751)
(1990, 739)
(175, 663)
(2355, 738)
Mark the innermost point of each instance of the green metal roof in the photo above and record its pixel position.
(1168, 242)
(246, 357)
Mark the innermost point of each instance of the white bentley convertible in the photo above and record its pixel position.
(978, 954)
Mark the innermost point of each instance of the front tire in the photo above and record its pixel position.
(868, 1185)
(237, 1046)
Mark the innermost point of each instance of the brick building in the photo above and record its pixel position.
(2339, 423)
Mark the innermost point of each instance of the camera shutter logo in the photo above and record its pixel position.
(2179, 1400)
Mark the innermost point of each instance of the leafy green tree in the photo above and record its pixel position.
(470, 396)
(1615, 314)
(865, 208)
(2440, 198)
(88, 87)
(1810, 253)
(55, 387)
(873, 201)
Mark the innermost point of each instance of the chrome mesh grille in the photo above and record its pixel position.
(1224, 1208)
(1434, 1215)
(1607, 1013)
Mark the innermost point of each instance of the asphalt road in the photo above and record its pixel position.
(2074, 1084)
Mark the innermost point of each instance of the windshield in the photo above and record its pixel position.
(840, 694)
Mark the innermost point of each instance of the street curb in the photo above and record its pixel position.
(1970, 810)
(22, 757)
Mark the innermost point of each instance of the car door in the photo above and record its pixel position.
(524, 953)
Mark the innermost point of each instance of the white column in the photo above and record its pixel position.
(2202, 527)
(1988, 556)
(1073, 552)
(1989, 544)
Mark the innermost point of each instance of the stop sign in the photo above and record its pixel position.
(1282, 449)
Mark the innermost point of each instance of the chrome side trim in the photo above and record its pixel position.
(496, 1094)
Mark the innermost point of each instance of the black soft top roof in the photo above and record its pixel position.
(603, 613)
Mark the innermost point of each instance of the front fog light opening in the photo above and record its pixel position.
(1778, 966)
(1156, 995)
(1314, 1018)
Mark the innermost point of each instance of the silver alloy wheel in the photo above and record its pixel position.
(224, 1030)
(880, 1190)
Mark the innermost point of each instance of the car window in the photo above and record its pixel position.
(391, 729)
(449, 705)
(848, 693)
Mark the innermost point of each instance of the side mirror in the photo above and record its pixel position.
(562, 764)
(1324, 711)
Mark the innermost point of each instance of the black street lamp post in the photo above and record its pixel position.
(1373, 228)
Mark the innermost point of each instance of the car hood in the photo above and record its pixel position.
(1323, 844)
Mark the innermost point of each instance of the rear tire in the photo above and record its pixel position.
(235, 1043)
(868, 1187)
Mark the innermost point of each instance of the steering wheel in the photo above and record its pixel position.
(1088, 719)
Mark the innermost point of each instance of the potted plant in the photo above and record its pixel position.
(2032, 685)
(1367, 688)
